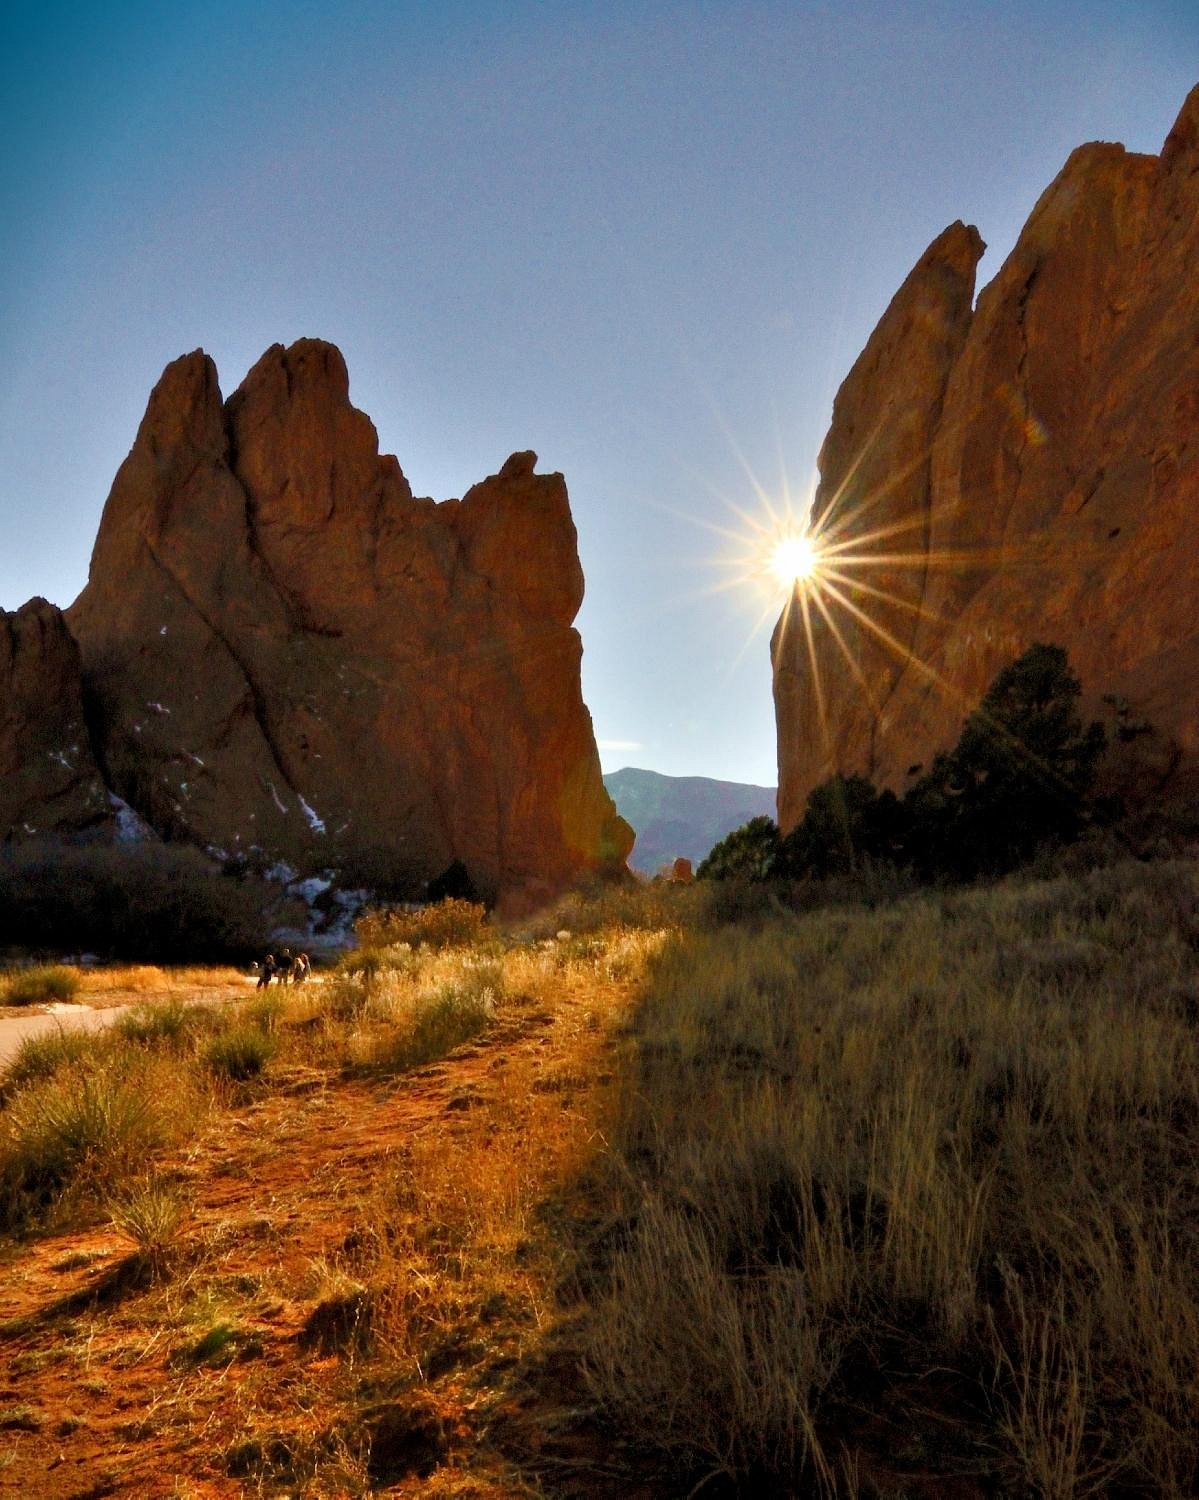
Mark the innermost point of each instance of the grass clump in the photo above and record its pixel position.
(40, 1057)
(39, 985)
(436, 1021)
(240, 1052)
(150, 1212)
(167, 1023)
(80, 1122)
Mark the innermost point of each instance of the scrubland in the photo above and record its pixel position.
(671, 1191)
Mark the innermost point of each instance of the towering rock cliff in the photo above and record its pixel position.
(1025, 471)
(287, 655)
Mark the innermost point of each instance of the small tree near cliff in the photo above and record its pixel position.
(750, 852)
(1019, 776)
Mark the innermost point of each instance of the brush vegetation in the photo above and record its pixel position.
(937, 1163)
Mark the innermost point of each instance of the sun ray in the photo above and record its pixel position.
(879, 534)
(913, 606)
(838, 524)
(821, 710)
(851, 660)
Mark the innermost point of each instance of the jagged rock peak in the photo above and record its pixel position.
(290, 656)
(1038, 461)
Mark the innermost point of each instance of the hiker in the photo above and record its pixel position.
(301, 969)
(284, 966)
(266, 971)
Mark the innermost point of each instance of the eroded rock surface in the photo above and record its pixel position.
(1025, 471)
(49, 781)
(288, 655)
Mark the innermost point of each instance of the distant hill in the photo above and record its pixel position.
(682, 815)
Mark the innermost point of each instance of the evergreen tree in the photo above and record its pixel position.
(1019, 776)
(750, 852)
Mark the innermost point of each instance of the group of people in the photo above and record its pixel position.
(284, 968)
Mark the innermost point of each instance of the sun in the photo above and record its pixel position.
(793, 559)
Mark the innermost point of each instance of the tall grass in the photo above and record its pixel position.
(85, 1124)
(957, 1133)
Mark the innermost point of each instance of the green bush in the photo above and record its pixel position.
(37, 986)
(1018, 780)
(750, 852)
(847, 820)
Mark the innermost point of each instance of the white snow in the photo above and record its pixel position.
(282, 872)
(130, 828)
(163, 631)
(308, 890)
(159, 708)
(61, 758)
(275, 796)
(317, 824)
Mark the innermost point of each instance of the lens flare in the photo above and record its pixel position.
(794, 559)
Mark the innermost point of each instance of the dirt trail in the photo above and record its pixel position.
(96, 1396)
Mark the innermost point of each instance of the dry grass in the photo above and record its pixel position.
(958, 1134)
(860, 1202)
(103, 983)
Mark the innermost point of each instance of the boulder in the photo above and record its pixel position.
(288, 656)
(1024, 470)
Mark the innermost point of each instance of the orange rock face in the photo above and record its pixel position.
(49, 781)
(287, 655)
(1025, 471)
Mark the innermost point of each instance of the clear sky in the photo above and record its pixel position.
(647, 240)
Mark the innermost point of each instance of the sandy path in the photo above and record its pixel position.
(16, 1027)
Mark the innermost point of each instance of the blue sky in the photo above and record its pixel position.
(646, 240)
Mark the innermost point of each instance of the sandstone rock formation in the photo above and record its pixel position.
(1025, 471)
(49, 781)
(288, 656)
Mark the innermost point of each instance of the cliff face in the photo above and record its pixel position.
(285, 653)
(1025, 471)
(49, 781)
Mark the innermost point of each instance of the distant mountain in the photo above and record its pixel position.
(682, 815)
